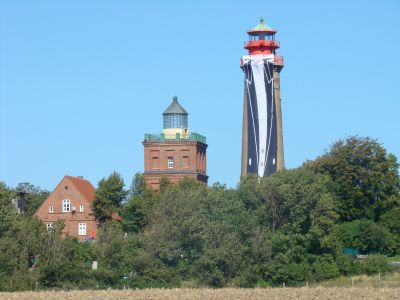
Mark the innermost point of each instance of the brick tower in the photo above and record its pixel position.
(175, 153)
(262, 138)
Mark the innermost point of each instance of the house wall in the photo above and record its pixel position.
(66, 190)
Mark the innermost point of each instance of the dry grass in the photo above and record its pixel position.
(228, 293)
(389, 280)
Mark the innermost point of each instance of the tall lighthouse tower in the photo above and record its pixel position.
(262, 138)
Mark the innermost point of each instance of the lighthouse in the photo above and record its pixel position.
(176, 153)
(262, 136)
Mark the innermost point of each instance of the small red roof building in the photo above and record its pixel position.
(70, 202)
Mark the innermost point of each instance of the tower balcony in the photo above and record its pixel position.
(196, 137)
(262, 43)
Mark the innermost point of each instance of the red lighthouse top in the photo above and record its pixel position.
(262, 42)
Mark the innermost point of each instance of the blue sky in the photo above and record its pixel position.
(82, 81)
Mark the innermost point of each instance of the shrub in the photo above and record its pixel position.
(325, 267)
(374, 264)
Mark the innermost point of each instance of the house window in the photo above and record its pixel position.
(49, 226)
(66, 205)
(51, 209)
(81, 208)
(170, 162)
(82, 229)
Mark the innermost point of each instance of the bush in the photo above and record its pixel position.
(374, 264)
(367, 236)
(348, 265)
(325, 267)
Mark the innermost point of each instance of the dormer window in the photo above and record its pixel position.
(51, 209)
(66, 205)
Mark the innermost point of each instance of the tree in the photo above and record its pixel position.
(366, 177)
(136, 210)
(391, 220)
(297, 222)
(165, 183)
(198, 231)
(297, 201)
(8, 213)
(108, 197)
(112, 254)
(367, 236)
(139, 186)
(64, 262)
(34, 196)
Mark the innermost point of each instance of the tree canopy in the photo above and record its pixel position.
(365, 177)
(291, 227)
(108, 197)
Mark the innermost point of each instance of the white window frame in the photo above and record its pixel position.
(49, 226)
(81, 208)
(51, 209)
(170, 162)
(81, 228)
(66, 205)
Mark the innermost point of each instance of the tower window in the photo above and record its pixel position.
(175, 121)
(170, 162)
(66, 205)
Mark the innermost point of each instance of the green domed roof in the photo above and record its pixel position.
(175, 108)
(261, 27)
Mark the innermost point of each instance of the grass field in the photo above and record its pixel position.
(389, 280)
(228, 293)
(385, 286)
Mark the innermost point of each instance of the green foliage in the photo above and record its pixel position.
(7, 211)
(33, 196)
(391, 220)
(366, 177)
(198, 230)
(62, 262)
(165, 183)
(348, 265)
(325, 267)
(374, 264)
(108, 197)
(368, 237)
(139, 204)
(296, 202)
(112, 254)
(288, 228)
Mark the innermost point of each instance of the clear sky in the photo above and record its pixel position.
(81, 82)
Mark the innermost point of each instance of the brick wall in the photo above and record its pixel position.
(189, 160)
(67, 190)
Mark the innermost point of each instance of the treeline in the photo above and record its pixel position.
(290, 228)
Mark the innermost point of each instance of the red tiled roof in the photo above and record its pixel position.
(83, 186)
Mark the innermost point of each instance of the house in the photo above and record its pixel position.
(70, 202)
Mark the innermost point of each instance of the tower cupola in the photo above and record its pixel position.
(261, 40)
(175, 120)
